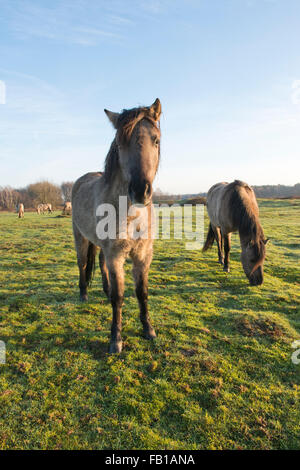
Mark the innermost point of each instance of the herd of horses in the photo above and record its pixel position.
(42, 208)
(130, 168)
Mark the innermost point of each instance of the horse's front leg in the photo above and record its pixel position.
(227, 245)
(116, 277)
(140, 274)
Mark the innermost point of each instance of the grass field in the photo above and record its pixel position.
(219, 375)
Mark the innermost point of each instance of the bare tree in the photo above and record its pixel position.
(9, 198)
(66, 189)
(45, 192)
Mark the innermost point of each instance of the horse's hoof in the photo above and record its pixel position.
(115, 347)
(221, 262)
(226, 269)
(84, 298)
(149, 333)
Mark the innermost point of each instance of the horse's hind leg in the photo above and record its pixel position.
(140, 274)
(82, 245)
(219, 241)
(227, 245)
(104, 273)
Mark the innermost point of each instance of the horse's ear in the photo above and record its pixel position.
(155, 109)
(113, 117)
(266, 241)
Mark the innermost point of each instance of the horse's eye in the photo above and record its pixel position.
(155, 140)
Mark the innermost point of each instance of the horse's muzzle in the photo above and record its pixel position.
(140, 193)
(257, 278)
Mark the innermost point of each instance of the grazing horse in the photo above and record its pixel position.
(67, 208)
(20, 209)
(233, 207)
(41, 208)
(130, 167)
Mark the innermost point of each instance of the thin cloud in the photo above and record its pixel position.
(63, 22)
(96, 32)
(155, 6)
(119, 20)
(35, 109)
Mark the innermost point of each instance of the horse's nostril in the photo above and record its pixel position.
(147, 190)
(256, 281)
(139, 193)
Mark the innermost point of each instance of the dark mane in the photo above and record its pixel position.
(111, 162)
(127, 121)
(245, 216)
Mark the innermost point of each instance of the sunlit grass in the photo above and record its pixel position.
(219, 375)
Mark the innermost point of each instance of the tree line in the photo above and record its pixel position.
(41, 192)
(277, 191)
(44, 192)
(263, 191)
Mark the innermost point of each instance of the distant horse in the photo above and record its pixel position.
(233, 207)
(67, 208)
(41, 208)
(130, 167)
(20, 210)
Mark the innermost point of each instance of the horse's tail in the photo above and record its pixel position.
(90, 266)
(209, 239)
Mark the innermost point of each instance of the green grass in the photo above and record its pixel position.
(219, 375)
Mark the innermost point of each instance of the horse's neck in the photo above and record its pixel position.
(114, 189)
(245, 238)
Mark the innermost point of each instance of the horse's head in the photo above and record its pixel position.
(253, 257)
(138, 143)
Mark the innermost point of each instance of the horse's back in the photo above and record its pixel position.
(213, 202)
(225, 198)
(85, 180)
(85, 199)
(215, 190)
(244, 192)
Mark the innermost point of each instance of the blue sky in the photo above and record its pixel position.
(226, 71)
